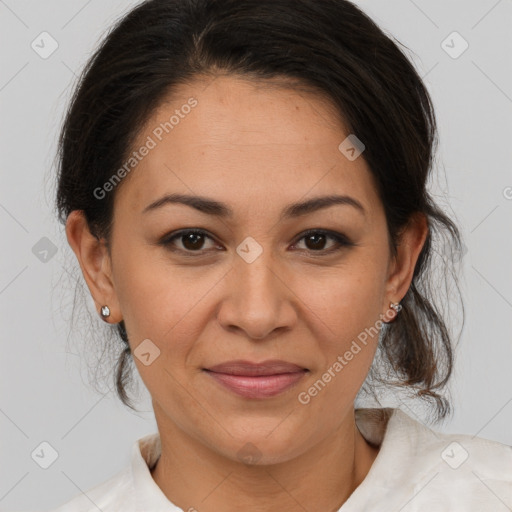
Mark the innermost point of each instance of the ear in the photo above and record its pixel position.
(401, 267)
(94, 260)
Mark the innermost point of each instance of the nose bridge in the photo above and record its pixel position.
(255, 273)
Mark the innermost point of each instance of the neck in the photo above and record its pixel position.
(195, 477)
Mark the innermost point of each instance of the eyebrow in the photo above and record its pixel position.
(221, 210)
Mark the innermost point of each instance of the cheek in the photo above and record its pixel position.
(348, 300)
(348, 309)
(348, 325)
(163, 302)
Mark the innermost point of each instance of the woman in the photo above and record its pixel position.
(243, 183)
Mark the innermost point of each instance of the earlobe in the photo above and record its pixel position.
(94, 260)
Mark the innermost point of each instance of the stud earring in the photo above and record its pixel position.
(105, 312)
(397, 307)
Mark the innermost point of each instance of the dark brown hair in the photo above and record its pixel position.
(330, 46)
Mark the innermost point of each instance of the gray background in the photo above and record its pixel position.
(44, 393)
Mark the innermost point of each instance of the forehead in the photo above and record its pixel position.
(244, 142)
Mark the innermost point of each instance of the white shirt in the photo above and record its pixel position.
(417, 469)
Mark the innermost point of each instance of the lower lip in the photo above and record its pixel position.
(257, 386)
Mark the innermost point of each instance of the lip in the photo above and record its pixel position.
(257, 380)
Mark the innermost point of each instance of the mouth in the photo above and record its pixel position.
(257, 380)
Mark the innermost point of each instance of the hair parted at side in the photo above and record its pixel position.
(328, 46)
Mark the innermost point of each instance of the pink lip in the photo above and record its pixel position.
(252, 380)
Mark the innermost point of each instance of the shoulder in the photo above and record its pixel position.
(114, 494)
(455, 471)
(130, 490)
(459, 451)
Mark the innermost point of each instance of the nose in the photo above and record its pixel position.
(257, 300)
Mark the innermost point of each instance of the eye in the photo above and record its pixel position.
(315, 240)
(190, 241)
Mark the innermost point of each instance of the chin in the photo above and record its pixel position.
(261, 445)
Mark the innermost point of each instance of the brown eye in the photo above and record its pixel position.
(190, 241)
(316, 240)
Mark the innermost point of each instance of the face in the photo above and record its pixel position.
(261, 282)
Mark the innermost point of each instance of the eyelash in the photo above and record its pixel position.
(341, 240)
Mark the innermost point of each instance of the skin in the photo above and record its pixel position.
(257, 149)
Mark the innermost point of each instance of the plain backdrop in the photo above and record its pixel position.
(44, 395)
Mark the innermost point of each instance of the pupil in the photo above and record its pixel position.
(191, 239)
(315, 240)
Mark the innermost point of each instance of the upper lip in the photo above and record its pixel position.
(269, 367)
